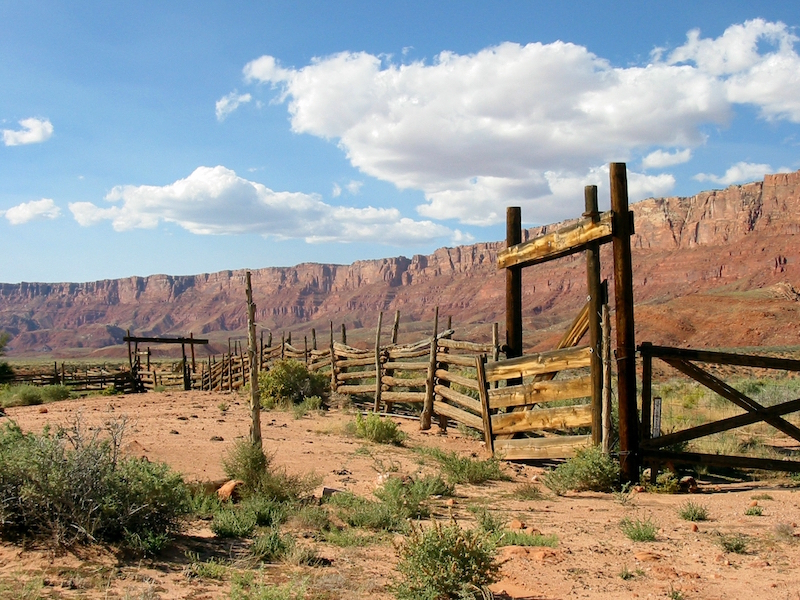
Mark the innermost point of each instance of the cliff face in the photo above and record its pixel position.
(719, 269)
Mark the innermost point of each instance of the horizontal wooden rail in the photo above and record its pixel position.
(540, 448)
(539, 392)
(718, 460)
(536, 364)
(457, 414)
(562, 417)
(459, 398)
(466, 382)
(721, 358)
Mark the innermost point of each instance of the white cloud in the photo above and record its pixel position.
(755, 62)
(214, 200)
(337, 190)
(227, 104)
(354, 187)
(478, 132)
(740, 172)
(660, 159)
(33, 131)
(35, 210)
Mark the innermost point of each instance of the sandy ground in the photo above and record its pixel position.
(191, 431)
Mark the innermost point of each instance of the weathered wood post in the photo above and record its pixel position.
(395, 326)
(595, 300)
(378, 382)
(333, 362)
(647, 381)
(255, 400)
(606, 318)
(427, 410)
(344, 334)
(513, 289)
(191, 345)
(313, 339)
(187, 383)
(130, 356)
(626, 346)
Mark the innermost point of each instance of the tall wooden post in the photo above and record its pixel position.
(606, 318)
(255, 400)
(313, 339)
(191, 346)
(595, 299)
(513, 289)
(344, 334)
(378, 382)
(395, 326)
(187, 384)
(427, 410)
(130, 356)
(333, 362)
(626, 345)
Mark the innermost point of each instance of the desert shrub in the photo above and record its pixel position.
(271, 546)
(246, 590)
(378, 430)
(754, 511)
(463, 469)
(523, 538)
(406, 498)
(250, 464)
(691, 511)
(488, 521)
(666, 483)
(288, 382)
(231, 522)
(360, 512)
(736, 543)
(71, 488)
(445, 561)
(639, 530)
(308, 405)
(267, 512)
(588, 470)
(528, 491)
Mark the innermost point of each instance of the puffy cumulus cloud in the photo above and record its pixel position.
(659, 159)
(214, 200)
(33, 131)
(740, 172)
(35, 210)
(227, 104)
(755, 62)
(516, 123)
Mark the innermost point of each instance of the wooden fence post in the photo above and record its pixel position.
(378, 382)
(344, 334)
(626, 346)
(313, 339)
(333, 362)
(396, 326)
(595, 299)
(513, 289)
(255, 400)
(427, 411)
(606, 374)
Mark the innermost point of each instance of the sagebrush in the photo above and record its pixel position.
(588, 470)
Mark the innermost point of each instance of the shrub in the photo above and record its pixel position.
(528, 491)
(288, 382)
(271, 546)
(463, 469)
(444, 561)
(233, 523)
(639, 530)
(251, 465)
(406, 498)
(690, 511)
(522, 538)
(736, 543)
(72, 489)
(378, 430)
(588, 470)
(754, 511)
(310, 404)
(359, 512)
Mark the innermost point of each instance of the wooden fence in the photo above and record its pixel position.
(81, 381)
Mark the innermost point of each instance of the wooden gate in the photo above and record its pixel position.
(684, 360)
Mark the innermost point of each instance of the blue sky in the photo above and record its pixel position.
(191, 137)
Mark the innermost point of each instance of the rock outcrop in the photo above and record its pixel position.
(717, 269)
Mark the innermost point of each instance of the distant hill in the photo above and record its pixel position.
(719, 269)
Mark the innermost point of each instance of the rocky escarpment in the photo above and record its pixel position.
(711, 269)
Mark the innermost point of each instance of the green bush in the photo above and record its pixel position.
(308, 405)
(406, 498)
(31, 395)
(735, 542)
(588, 470)
(522, 538)
(360, 512)
(72, 489)
(288, 382)
(443, 562)
(378, 430)
(271, 546)
(463, 469)
(233, 523)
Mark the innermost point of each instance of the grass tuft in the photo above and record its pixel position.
(463, 469)
(588, 470)
(691, 511)
(639, 530)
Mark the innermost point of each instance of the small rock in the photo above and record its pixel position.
(182, 418)
(759, 564)
(754, 503)
(688, 484)
(542, 554)
(516, 525)
(175, 432)
(695, 528)
(228, 490)
(43, 410)
(637, 489)
(329, 491)
(645, 556)
(450, 502)
(217, 438)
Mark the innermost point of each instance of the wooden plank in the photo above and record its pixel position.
(356, 362)
(406, 366)
(464, 345)
(356, 375)
(535, 364)
(488, 434)
(458, 398)
(562, 242)
(403, 396)
(461, 416)
(458, 360)
(395, 353)
(562, 446)
(349, 351)
(722, 358)
(722, 425)
(457, 379)
(720, 460)
(393, 381)
(356, 389)
(562, 417)
(539, 392)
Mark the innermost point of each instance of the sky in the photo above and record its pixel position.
(192, 137)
